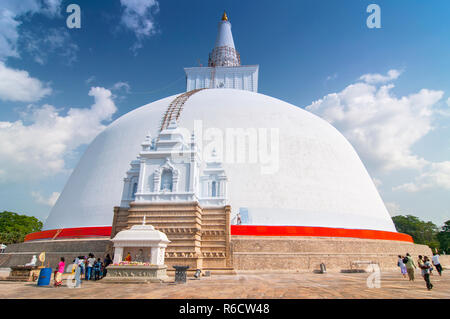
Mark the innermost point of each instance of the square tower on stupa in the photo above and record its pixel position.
(224, 68)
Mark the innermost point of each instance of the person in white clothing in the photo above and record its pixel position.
(436, 263)
(402, 266)
(90, 266)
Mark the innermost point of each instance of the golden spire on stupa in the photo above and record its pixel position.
(224, 17)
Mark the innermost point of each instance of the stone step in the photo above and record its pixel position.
(214, 271)
(16, 278)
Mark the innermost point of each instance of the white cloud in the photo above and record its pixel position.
(11, 12)
(121, 86)
(381, 126)
(18, 86)
(448, 101)
(378, 78)
(8, 34)
(50, 201)
(138, 16)
(52, 7)
(37, 150)
(434, 175)
(41, 44)
(332, 77)
(90, 80)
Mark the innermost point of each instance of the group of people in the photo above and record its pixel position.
(407, 266)
(83, 266)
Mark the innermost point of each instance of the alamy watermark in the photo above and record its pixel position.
(374, 19)
(73, 21)
(374, 279)
(250, 145)
(71, 280)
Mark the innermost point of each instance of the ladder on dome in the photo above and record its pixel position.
(57, 233)
(175, 108)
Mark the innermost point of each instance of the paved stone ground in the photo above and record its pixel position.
(258, 286)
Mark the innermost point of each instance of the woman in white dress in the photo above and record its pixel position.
(402, 266)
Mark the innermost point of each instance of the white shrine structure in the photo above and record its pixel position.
(147, 246)
(141, 239)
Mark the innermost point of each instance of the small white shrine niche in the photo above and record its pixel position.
(213, 183)
(143, 242)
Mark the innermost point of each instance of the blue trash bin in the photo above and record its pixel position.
(44, 277)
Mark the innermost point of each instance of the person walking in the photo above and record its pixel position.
(410, 266)
(437, 263)
(426, 265)
(402, 266)
(420, 261)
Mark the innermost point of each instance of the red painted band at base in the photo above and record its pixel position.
(237, 230)
(66, 233)
(250, 230)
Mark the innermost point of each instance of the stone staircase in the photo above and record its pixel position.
(23, 274)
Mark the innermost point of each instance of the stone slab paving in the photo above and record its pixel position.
(248, 285)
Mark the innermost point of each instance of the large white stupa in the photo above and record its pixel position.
(293, 169)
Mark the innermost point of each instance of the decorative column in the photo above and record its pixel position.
(154, 255)
(142, 177)
(156, 180)
(157, 255)
(118, 254)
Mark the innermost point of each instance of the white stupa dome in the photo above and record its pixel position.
(320, 179)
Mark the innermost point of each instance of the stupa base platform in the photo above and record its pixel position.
(136, 274)
(247, 253)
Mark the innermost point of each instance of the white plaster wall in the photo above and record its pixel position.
(242, 77)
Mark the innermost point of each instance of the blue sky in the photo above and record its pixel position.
(319, 55)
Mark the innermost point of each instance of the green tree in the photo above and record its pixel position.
(14, 227)
(444, 238)
(424, 233)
